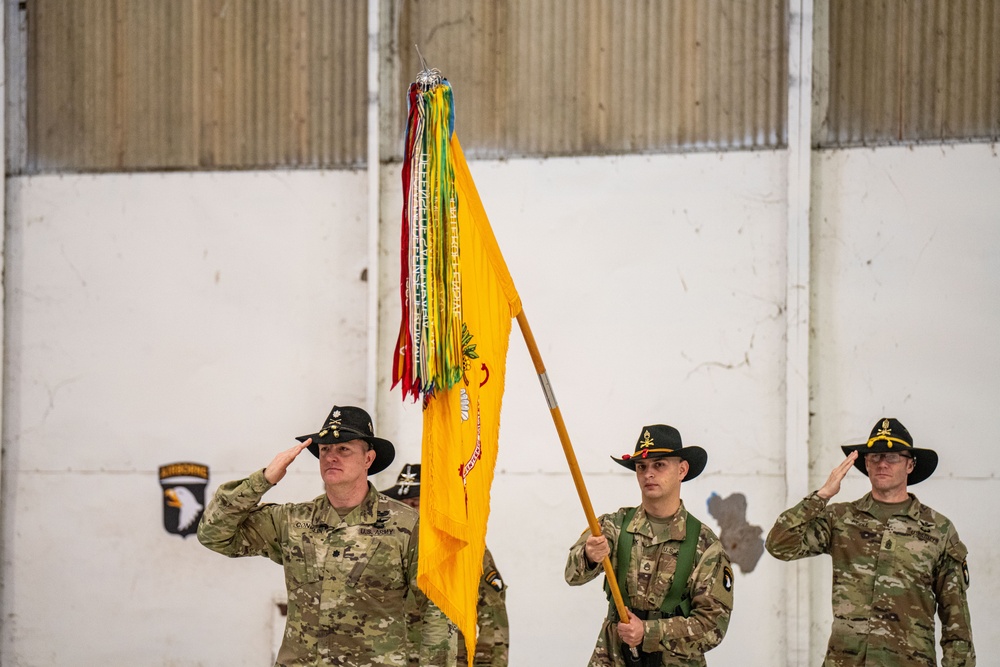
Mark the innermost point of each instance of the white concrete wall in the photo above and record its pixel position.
(154, 319)
(211, 317)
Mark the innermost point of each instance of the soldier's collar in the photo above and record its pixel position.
(676, 529)
(915, 507)
(323, 513)
(363, 514)
(865, 503)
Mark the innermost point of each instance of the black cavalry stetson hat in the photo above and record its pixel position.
(888, 435)
(345, 423)
(661, 441)
(408, 483)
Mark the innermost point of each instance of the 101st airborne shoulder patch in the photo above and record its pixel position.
(494, 580)
(723, 584)
(965, 572)
(183, 487)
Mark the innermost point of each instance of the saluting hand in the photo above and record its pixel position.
(277, 468)
(633, 631)
(596, 548)
(832, 486)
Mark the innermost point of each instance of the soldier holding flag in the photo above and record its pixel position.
(672, 570)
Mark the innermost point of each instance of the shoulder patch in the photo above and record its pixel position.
(493, 579)
(727, 579)
(965, 572)
(956, 549)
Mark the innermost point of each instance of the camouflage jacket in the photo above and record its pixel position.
(493, 642)
(494, 633)
(346, 579)
(683, 641)
(887, 581)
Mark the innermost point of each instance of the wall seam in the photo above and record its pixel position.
(800, 44)
(374, 212)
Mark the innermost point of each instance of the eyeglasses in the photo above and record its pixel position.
(891, 458)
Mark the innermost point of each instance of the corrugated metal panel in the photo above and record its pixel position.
(907, 71)
(549, 77)
(185, 84)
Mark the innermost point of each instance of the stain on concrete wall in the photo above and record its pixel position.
(741, 540)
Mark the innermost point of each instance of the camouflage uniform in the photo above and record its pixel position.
(887, 580)
(683, 641)
(494, 633)
(346, 579)
(493, 642)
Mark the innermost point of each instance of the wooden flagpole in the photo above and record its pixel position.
(574, 467)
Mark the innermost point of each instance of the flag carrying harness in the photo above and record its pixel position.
(677, 601)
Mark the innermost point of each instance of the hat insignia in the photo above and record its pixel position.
(333, 424)
(883, 433)
(647, 440)
(406, 480)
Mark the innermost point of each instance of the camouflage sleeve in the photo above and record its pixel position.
(235, 525)
(950, 588)
(579, 570)
(711, 605)
(493, 645)
(801, 531)
(438, 643)
(413, 631)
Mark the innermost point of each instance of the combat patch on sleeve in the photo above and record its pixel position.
(722, 583)
(494, 580)
(958, 552)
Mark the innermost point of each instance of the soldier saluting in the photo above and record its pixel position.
(895, 560)
(350, 555)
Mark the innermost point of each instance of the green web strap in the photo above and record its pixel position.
(676, 602)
